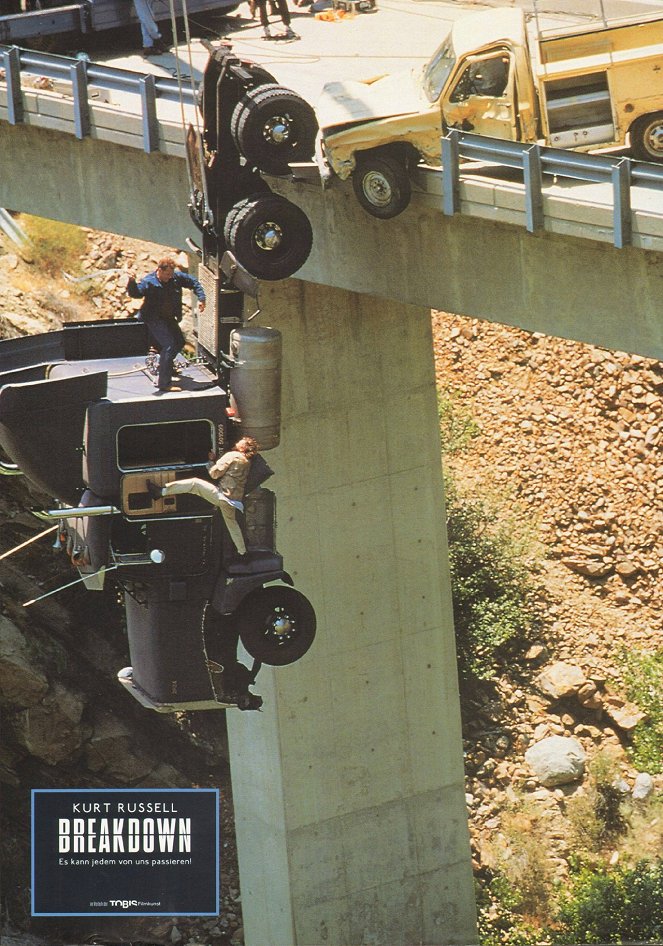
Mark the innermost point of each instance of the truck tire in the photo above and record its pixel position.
(276, 625)
(270, 236)
(381, 184)
(262, 84)
(232, 214)
(272, 126)
(647, 137)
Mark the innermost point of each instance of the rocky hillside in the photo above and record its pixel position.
(566, 449)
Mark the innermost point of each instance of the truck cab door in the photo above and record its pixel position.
(482, 98)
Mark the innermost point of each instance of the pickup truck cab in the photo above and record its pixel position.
(585, 88)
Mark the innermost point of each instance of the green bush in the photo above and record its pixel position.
(494, 594)
(457, 425)
(500, 921)
(613, 906)
(643, 679)
(57, 246)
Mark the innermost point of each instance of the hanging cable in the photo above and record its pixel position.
(187, 33)
(101, 571)
(173, 25)
(185, 126)
(34, 538)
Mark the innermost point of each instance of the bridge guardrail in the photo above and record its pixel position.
(533, 160)
(82, 74)
(536, 160)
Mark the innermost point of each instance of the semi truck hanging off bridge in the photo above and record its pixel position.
(103, 445)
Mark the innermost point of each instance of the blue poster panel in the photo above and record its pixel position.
(140, 852)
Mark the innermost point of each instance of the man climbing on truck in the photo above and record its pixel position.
(161, 311)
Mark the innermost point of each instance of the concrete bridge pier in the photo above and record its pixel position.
(348, 788)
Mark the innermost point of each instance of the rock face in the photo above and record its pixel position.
(23, 684)
(643, 786)
(561, 680)
(556, 760)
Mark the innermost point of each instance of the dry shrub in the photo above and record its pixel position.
(522, 853)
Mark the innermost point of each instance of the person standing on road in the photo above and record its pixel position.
(153, 44)
(162, 311)
(283, 12)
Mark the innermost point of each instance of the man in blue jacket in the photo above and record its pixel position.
(162, 311)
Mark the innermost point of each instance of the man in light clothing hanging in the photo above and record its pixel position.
(231, 472)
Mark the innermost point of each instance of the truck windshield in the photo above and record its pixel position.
(437, 71)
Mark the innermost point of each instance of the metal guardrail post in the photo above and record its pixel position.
(78, 73)
(148, 97)
(621, 197)
(451, 172)
(533, 194)
(11, 60)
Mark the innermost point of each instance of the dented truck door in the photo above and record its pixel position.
(482, 98)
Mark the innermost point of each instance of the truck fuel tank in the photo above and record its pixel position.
(255, 383)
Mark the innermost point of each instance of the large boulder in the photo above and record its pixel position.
(22, 683)
(643, 786)
(556, 760)
(112, 750)
(561, 680)
(52, 730)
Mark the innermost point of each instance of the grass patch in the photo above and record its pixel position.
(522, 854)
(57, 246)
(613, 906)
(642, 675)
(500, 922)
(496, 601)
(457, 425)
(598, 817)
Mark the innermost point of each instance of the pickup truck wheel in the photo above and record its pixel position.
(276, 625)
(272, 126)
(270, 236)
(382, 185)
(647, 137)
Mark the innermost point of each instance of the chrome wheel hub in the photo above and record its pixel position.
(654, 139)
(268, 236)
(277, 130)
(282, 624)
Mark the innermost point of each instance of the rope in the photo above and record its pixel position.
(173, 24)
(34, 538)
(187, 33)
(101, 571)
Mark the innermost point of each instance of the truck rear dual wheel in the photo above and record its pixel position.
(270, 236)
(381, 184)
(272, 127)
(647, 137)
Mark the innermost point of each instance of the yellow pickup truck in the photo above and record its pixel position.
(582, 87)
